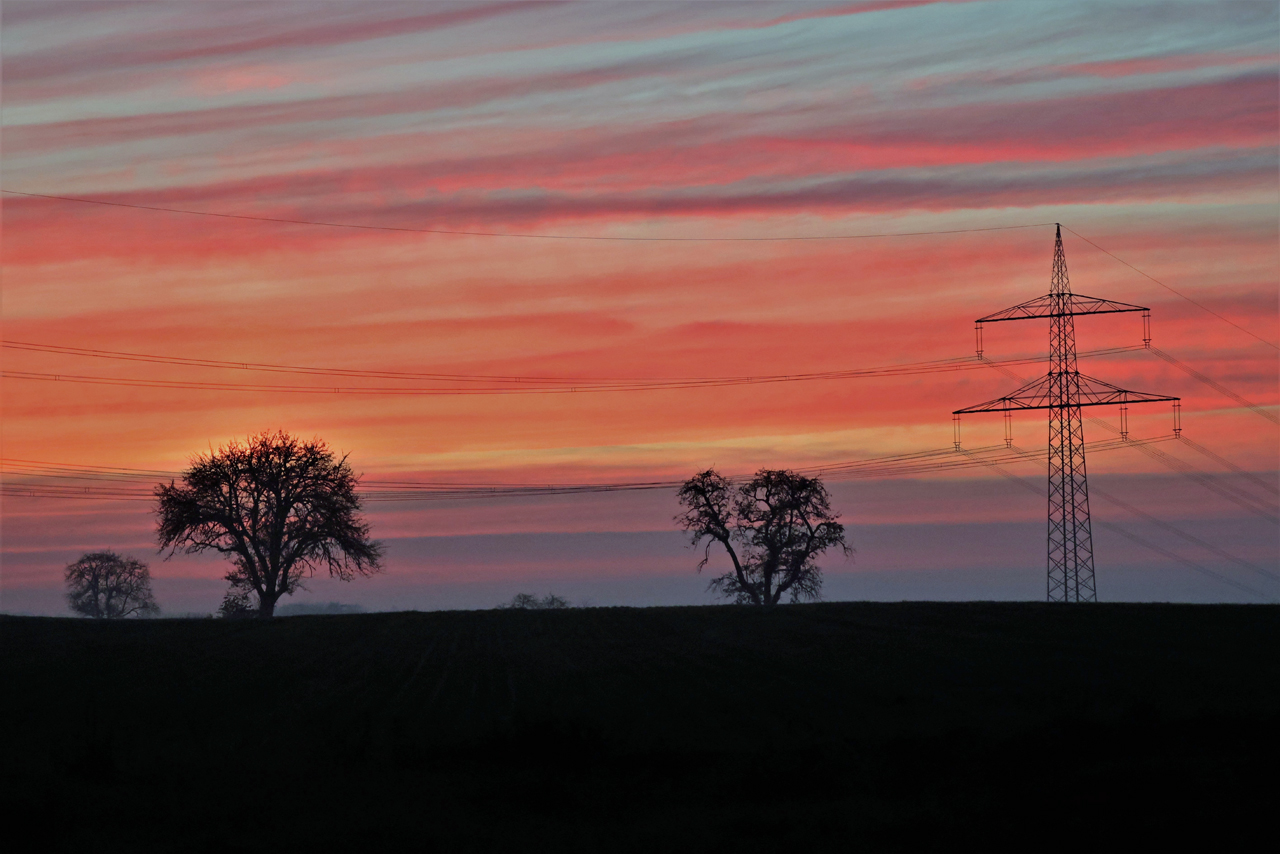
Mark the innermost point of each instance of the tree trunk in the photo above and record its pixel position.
(266, 606)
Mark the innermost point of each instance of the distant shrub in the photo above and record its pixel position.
(527, 601)
(105, 585)
(296, 609)
(237, 604)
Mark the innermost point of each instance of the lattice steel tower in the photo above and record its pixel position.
(1063, 391)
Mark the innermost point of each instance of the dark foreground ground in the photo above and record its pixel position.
(819, 727)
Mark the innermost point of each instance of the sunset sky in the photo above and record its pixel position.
(1149, 128)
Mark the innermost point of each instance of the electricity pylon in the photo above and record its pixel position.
(1063, 391)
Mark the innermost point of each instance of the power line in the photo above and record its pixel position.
(1198, 305)
(514, 385)
(1237, 497)
(34, 478)
(1178, 532)
(1007, 474)
(1188, 563)
(1140, 541)
(284, 221)
(1209, 482)
(36, 474)
(104, 470)
(1205, 479)
(1215, 385)
(1190, 371)
(1233, 494)
(185, 361)
(1269, 487)
(16, 465)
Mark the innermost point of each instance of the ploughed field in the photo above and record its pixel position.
(837, 726)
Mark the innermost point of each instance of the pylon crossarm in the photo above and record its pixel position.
(1033, 395)
(1065, 305)
(1095, 392)
(1040, 394)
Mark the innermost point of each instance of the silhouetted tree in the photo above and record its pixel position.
(527, 601)
(279, 507)
(106, 585)
(773, 527)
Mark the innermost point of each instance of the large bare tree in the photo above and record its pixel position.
(773, 528)
(278, 507)
(105, 585)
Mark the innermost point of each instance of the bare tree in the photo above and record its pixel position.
(106, 585)
(773, 528)
(278, 507)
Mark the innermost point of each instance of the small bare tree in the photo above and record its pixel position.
(105, 585)
(278, 507)
(773, 528)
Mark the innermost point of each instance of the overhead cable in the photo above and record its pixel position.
(52, 480)
(1269, 487)
(1231, 493)
(1215, 385)
(1139, 540)
(1198, 305)
(1234, 494)
(1188, 563)
(1172, 529)
(515, 385)
(535, 236)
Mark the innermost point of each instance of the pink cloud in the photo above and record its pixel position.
(1154, 65)
(104, 54)
(241, 79)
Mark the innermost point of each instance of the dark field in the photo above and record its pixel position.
(819, 727)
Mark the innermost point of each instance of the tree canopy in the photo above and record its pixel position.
(773, 528)
(105, 585)
(278, 507)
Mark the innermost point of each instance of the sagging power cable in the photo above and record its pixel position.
(1204, 570)
(474, 384)
(1165, 526)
